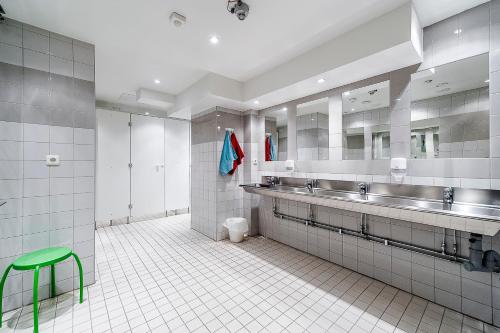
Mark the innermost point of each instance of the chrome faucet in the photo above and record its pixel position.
(448, 194)
(363, 188)
(273, 180)
(310, 184)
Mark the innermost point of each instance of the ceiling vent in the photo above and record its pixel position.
(155, 98)
(177, 19)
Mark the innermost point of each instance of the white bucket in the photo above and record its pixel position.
(237, 228)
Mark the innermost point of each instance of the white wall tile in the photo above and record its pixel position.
(11, 131)
(35, 169)
(61, 203)
(35, 151)
(36, 133)
(64, 150)
(84, 136)
(61, 186)
(11, 151)
(36, 206)
(84, 152)
(84, 185)
(36, 187)
(59, 134)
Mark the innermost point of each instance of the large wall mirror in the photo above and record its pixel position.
(450, 110)
(366, 123)
(312, 130)
(275, 139)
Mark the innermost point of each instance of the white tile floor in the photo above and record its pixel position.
(160, 276)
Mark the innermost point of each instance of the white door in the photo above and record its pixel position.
(177, 157)
(148, 164)
(113, 173)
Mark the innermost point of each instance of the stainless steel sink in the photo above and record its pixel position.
(470, 210)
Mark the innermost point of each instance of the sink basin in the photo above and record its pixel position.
(425, 205)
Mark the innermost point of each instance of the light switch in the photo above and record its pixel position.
(52, 160)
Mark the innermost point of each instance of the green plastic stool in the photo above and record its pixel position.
(36, 260)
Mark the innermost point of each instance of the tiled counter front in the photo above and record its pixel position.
(47, 106)
(474, 293)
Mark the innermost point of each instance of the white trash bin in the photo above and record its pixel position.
(237, 228)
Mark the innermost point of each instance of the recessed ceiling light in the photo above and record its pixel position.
(433, 70)
(256, 102)
(214, 40)
(398, 99)
(458, 31)
(321, 80)
(146, 113)
(487, 81)
(353, 109)
(347, 93)
(285, 108)
(157, 81)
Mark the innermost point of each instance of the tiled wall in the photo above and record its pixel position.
(214, 197)
(47, 106)
(474, 293)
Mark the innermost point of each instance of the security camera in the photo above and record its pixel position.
(2, 12)
(239, 8)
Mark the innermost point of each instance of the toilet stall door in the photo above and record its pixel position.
(177, 157)
(147, 170)
(113, 172)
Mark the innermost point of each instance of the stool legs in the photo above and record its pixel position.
(35, 299)
(52, 281)
(81, 275)
(2, 283)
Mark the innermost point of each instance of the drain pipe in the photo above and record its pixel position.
(479, 260)
(443, 243)
(356, 233)
(455, 247)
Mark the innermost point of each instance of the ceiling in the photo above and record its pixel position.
(136, 44)
(432, 11)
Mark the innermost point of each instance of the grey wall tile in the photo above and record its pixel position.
(36, 87)
(61, 66)
(33, 114)
(10, 34)
(62, 48)
(10, 112)
(11, 54)
(84, 72)
(36, 60)
(10, 93)
(35, 41)
(84, 53)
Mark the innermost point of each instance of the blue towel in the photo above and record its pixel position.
(273, 148)
(228, 156)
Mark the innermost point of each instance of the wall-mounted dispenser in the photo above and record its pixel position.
(398, 168)
(290, 165)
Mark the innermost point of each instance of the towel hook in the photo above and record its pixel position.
(230, 130)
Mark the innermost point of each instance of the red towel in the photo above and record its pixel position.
(238, 151)
(268, 149)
